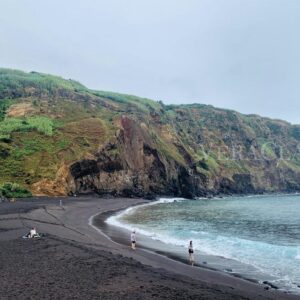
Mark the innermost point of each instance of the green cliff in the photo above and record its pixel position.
(57, 137)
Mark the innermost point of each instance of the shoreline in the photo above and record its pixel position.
(79, 262)
(160, 248)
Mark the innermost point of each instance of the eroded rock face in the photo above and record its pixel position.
(240, 184)
(60, 186)
(131, 166)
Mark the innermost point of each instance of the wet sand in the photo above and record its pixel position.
(74, 260)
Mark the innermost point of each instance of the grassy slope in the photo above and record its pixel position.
(46, 121)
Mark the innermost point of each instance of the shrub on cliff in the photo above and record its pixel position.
(13, 190)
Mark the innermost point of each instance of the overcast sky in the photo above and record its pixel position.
(238, 54)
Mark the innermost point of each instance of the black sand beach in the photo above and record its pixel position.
(75, 261)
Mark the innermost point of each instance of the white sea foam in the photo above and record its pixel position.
(116, 219)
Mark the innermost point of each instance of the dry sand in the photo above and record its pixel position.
(75, 261)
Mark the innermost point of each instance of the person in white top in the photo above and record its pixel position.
(32, 233)
(133, 240)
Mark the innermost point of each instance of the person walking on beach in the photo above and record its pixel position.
(191, 253)
(133, 240)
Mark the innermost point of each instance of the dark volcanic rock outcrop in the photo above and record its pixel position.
(129, 165)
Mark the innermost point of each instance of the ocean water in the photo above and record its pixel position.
(262, 232)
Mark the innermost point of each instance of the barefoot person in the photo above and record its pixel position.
(133, 240)
(191, 253)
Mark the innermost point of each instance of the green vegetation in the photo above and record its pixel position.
(142, 103)
(41, 124)
(32, 157)
(13, 190)
(4, 105)
(30, 146)
(296, 132)
(170, 151)
(14, 83)
(208, 164)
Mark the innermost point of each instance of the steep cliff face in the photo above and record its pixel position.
(130, 165)
(57, 137)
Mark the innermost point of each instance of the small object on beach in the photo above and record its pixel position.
(32, 234)
(191, 253)
(228, 270)
(60, 203)
(133, 240)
